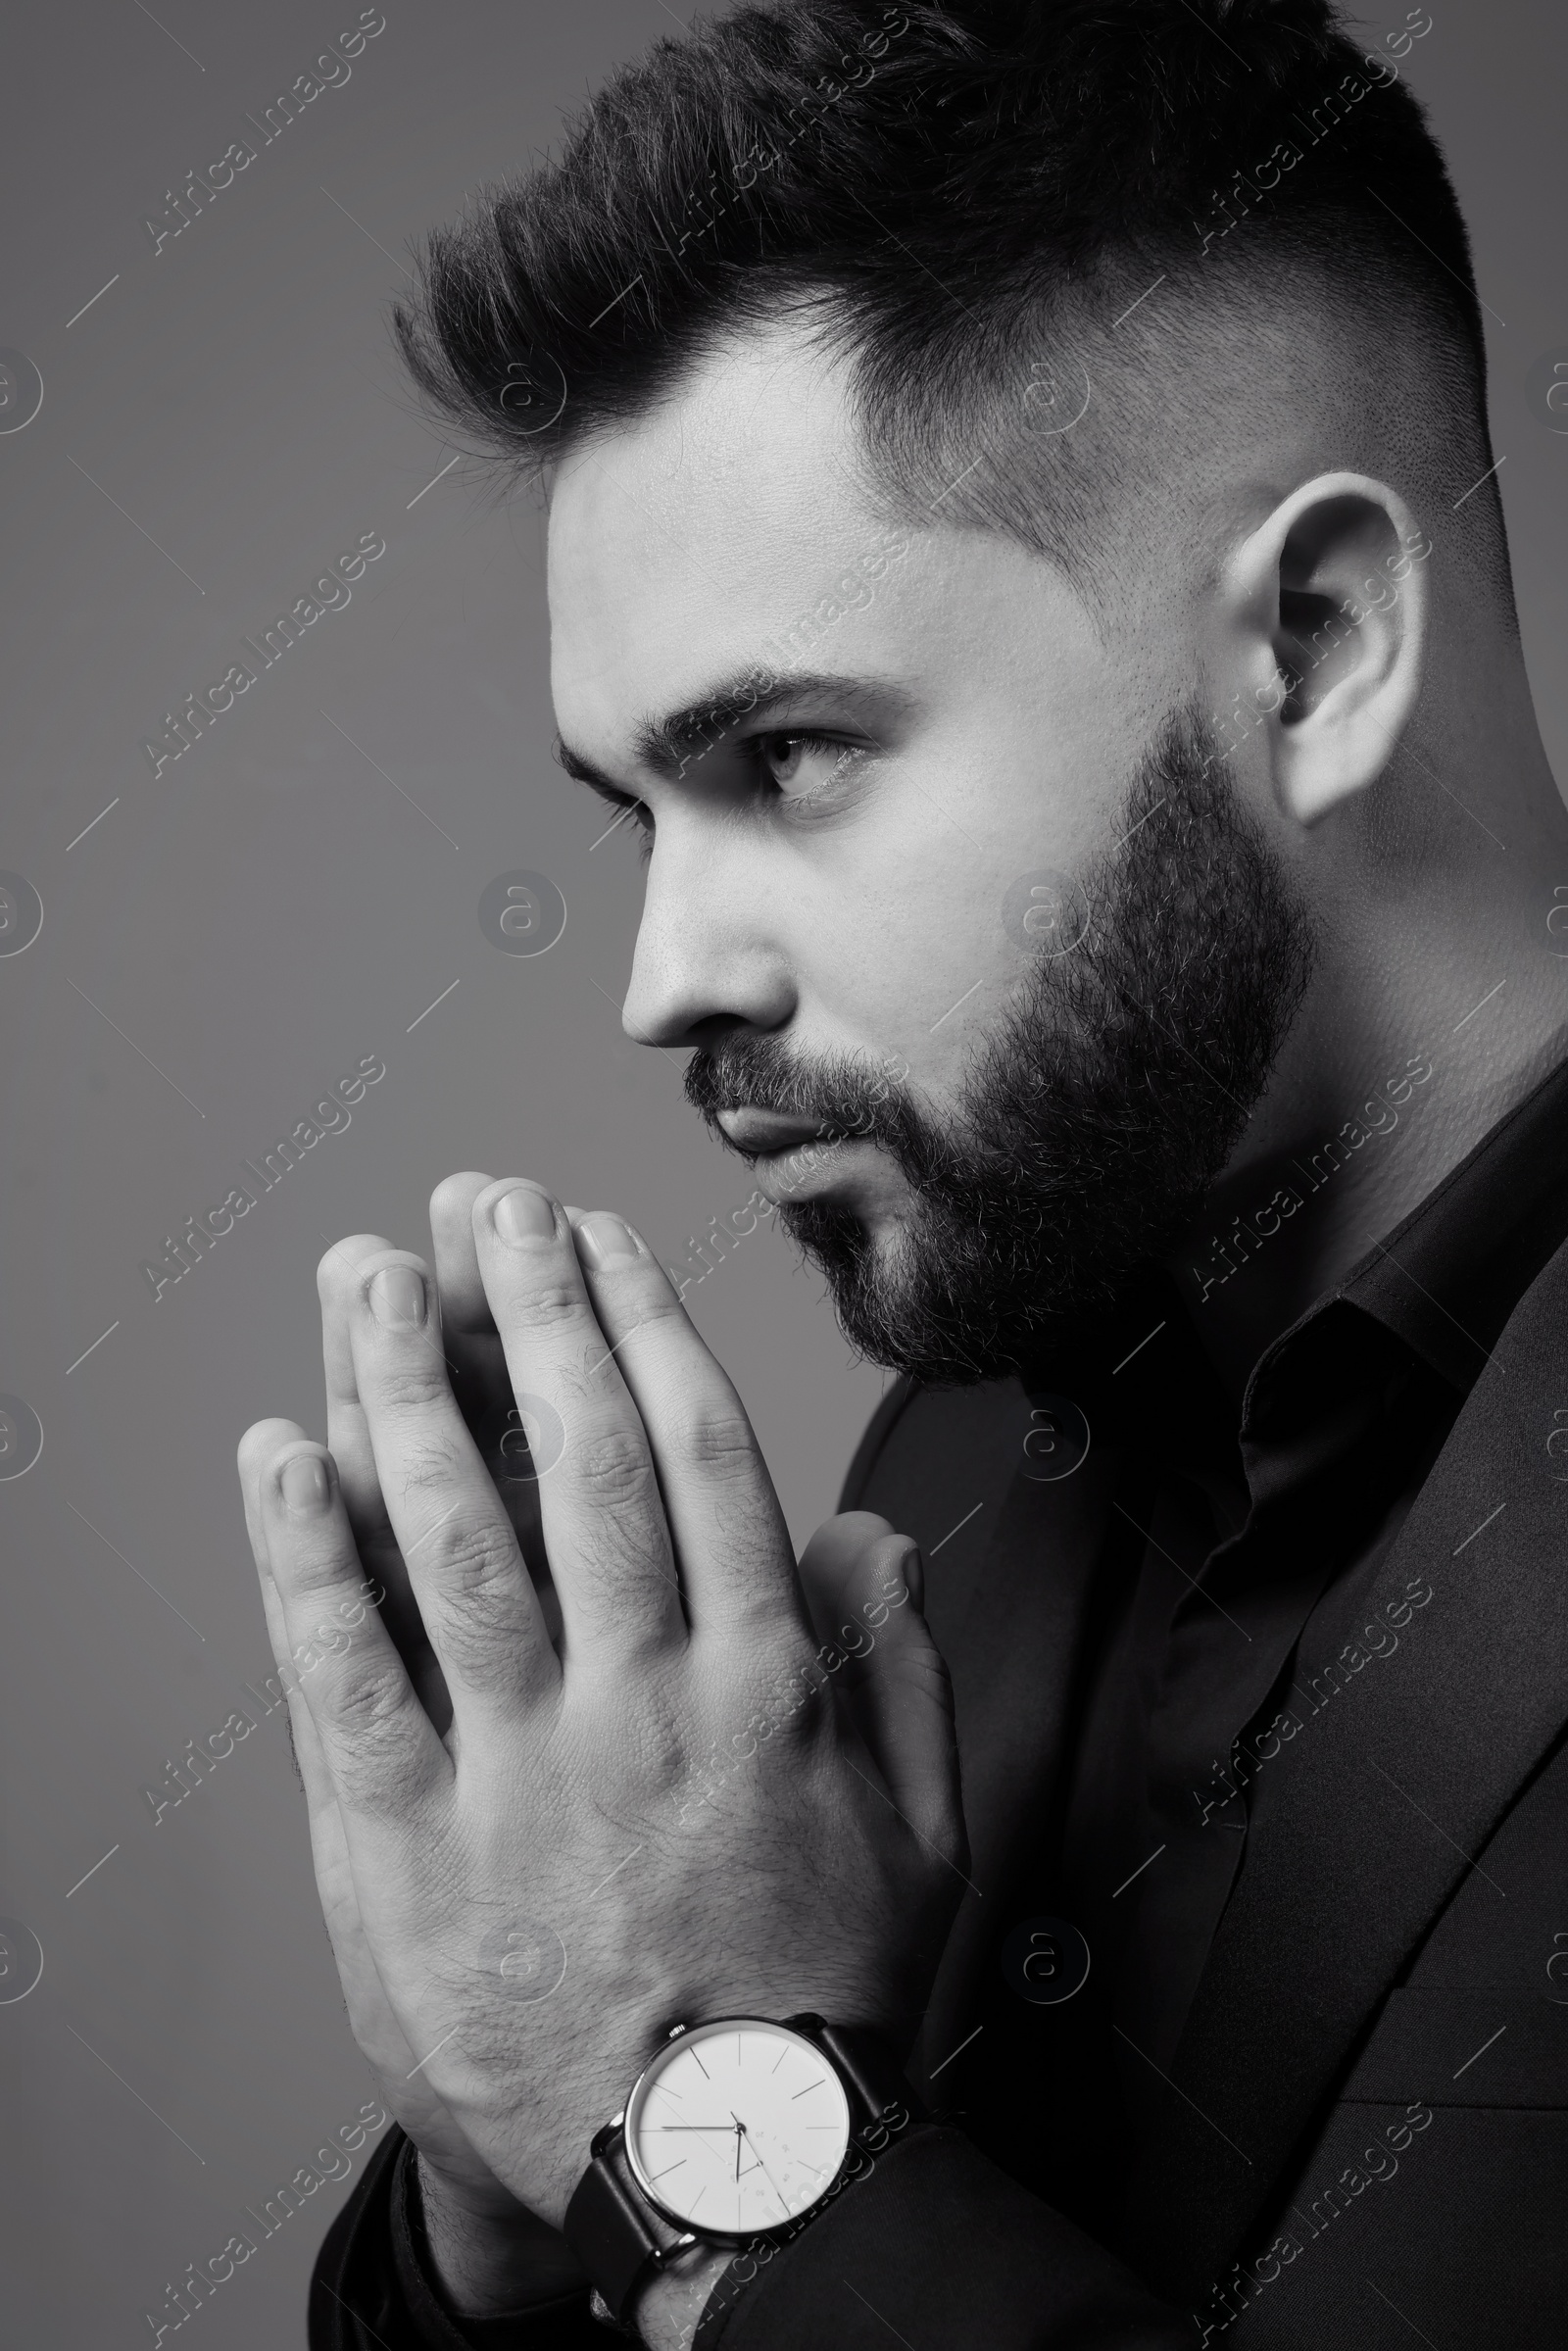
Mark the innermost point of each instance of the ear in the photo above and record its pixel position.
(1328, 599)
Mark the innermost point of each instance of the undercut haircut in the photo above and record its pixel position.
(1067, 247)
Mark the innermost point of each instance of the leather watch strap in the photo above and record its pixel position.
(871, 2070)
(611, 2225)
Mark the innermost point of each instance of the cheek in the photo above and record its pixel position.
(988, 829)
(903, 947)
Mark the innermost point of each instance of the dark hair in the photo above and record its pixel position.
(950, 191)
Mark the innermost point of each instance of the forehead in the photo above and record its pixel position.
(720, 535)
(685, 542)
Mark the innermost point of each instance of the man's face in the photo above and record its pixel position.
(890, 778)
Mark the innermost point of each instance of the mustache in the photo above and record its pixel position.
(839, 1094)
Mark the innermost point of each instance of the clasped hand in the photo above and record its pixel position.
(599, 1763)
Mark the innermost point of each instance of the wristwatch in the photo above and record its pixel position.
(736, 2132)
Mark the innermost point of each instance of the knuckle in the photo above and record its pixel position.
(718, 1441)
(313, 1575)
(658, 1306)
(305, 1568)
(615, 1469)
(554, 1306)
(480, 1563)
(410, 1383)
(368, 1705)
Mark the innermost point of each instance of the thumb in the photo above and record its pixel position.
(865, 1586)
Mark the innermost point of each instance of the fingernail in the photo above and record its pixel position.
(397, 1297)
(523, 1216)
(606, 1239)
(304, 1483)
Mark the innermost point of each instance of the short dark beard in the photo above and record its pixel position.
(1092, 1121)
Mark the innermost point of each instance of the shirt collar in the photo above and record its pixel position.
(1440, 1286)
(1447, 1280)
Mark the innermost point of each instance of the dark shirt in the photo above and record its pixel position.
(1213, 1556)
(1220, 1539)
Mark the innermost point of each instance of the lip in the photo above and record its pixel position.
(833, 1169)
(766, 1132)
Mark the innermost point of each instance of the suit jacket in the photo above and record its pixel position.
(1361, 2141)
(1363, 2137)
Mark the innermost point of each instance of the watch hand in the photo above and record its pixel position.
(737, 2154)
(742, 2132)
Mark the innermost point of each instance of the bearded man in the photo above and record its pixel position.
(1024, 551)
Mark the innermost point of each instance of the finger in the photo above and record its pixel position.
(603, 1520)
(327, 1841)
(259, 1445)
(376, 1741)
(348, 1437)
(467, 1326)
(737, 1563)
(465, 1570)
(376, 2028)
(828, 1569)
(469, 1335)
(865, 1584)
(259, 1448)
(478, 1363)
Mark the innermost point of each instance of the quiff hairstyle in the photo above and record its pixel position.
(1065, 245)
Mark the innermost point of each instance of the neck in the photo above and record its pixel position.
(1442, 1006)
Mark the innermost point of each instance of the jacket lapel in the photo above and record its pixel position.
(1366, 1822)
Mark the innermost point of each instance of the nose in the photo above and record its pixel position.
(709, 953)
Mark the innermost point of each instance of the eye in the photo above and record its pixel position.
(799, 762)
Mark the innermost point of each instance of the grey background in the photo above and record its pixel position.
(274, 907)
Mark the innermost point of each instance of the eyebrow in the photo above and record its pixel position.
(669, 745)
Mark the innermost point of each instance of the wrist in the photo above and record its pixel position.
(490, 2253)
(669, 2309)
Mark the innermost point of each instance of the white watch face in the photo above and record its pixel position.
(737, 2127)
